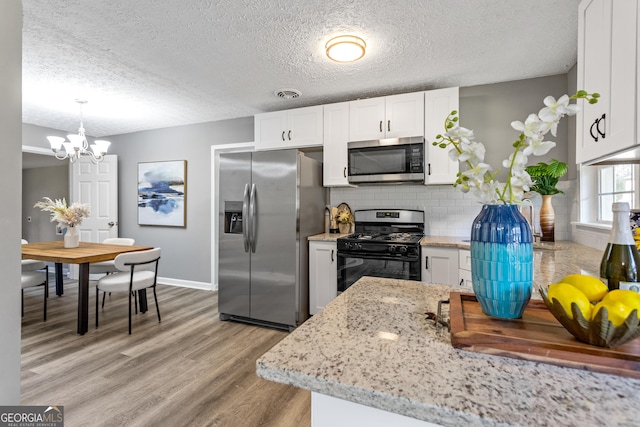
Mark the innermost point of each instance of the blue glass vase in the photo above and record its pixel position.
(502, 261)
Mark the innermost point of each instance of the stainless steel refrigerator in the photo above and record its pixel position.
(270, 202)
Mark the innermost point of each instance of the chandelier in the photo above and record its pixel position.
(78, 146)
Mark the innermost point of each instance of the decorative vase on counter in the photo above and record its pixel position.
(547, 220)
(502, 260)
(345, 228)
(71, 238)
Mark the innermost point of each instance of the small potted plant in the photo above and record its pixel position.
(545, 178)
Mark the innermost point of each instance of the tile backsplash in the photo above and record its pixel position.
(448, 211)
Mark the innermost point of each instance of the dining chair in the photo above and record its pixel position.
(33, 278)
(108, 267)
(136, 271)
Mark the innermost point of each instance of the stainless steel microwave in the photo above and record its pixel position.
(399, 160)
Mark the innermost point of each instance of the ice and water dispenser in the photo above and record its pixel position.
(233, 217)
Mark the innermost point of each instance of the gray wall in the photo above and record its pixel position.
(186, 252)
(10, 187)
(52, 182)
(489, 110)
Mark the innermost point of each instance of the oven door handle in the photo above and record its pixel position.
(403, 258)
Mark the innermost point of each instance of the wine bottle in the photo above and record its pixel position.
(620, 262)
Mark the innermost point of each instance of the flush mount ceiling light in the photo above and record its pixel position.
(345, 48)
(78, 146)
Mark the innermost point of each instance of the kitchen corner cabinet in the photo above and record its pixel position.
(296, 128)
(607, 53)
(323, 274)
(393, 116)
(336, 135)
(438, 104)
(440, 265)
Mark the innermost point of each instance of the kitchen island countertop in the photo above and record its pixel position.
(374, 346)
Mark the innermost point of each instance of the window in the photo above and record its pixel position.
(616, 183)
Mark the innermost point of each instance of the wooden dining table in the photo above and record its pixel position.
(83, 255)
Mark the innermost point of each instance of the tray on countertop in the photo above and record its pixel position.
(537, 337)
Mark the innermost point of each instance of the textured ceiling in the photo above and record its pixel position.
(148, 64)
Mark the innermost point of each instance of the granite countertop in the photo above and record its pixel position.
(374, 346)
(326, 237)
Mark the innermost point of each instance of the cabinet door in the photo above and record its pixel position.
(438, 104)
(336, 135)
(440, 265)
(404, 115)
(304, 128)
(607, 50)
(269, 130)
(323, 274)
(366, 119)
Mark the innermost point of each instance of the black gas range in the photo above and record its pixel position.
(386, 243)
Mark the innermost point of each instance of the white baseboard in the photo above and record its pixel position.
(185, 283)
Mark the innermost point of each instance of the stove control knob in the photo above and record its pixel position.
(402, 249)
(357, 246)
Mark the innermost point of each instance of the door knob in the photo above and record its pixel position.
(111, 223)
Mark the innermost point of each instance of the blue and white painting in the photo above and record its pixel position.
(162, 193)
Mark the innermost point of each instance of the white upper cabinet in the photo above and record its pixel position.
(336, 135)
(387, 117)
(297, 128)
(607, 52)
(438, 104)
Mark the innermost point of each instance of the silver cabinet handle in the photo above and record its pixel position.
(426, 263)
(345, 171)
(283, 135)
(289, 135)
(388, 125)
(332, 255)
(245, 218)
(380, 125)
(461, 282)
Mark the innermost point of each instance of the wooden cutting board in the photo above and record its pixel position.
(537, 336)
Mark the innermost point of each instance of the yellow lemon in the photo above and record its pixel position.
(616, 311)
(626, 297)
(592, 287)
(567, 294)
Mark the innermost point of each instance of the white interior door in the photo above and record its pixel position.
(96, 185)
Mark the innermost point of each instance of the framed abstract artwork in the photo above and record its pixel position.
(162, 193)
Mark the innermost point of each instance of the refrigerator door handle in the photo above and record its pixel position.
(253, 219)
(245, 216)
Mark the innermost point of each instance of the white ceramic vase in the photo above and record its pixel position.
(71, 238)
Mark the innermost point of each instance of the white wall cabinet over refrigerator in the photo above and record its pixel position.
(607, 53)
(393, 116)
(323, 274)
(440, 265)
(438, 104)
(336, 135)
(296, 128)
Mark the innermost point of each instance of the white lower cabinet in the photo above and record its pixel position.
(323, 274)
(464, 269)
(440, 265)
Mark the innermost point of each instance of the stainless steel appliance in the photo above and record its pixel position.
(270, 202)
(386, 243)
(392, 160)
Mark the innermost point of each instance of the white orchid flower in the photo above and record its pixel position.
(532, 126)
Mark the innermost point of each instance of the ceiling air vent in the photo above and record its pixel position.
(288, 93)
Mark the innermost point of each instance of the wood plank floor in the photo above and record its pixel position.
(190, 370)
